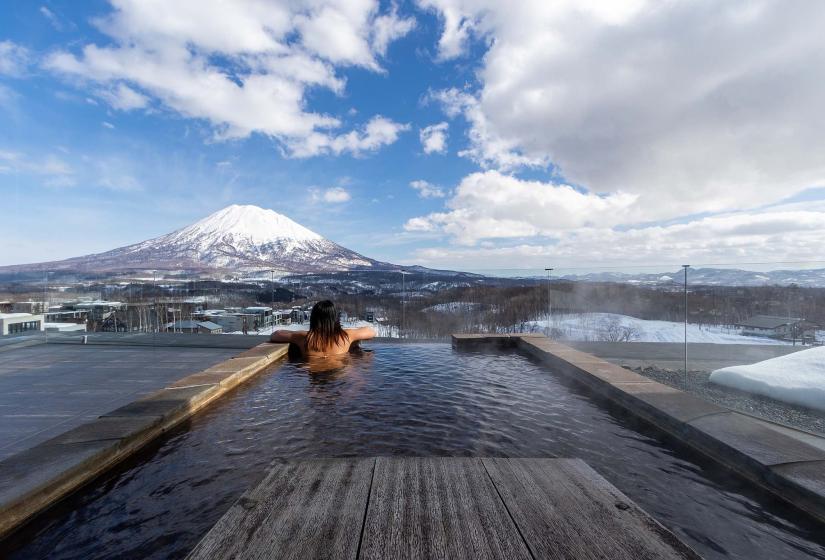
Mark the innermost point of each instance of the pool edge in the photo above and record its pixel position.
(788, 468)
(34, 480)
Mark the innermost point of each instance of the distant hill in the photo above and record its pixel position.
(814, 278)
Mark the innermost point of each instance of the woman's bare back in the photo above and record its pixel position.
(337, 348)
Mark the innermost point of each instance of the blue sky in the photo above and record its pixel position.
(561, 133)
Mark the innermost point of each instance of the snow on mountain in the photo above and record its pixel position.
(234, 239)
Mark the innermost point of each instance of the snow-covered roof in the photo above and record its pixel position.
(16, 315)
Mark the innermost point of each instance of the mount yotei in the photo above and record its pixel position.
(234, 239)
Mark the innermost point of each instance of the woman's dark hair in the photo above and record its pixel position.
(325, 327)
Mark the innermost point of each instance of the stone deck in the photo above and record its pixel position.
(40, 476)
(48, 389)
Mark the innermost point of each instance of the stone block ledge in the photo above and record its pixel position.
(788, 467)
(39, 477)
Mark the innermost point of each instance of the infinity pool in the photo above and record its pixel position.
(410, 399)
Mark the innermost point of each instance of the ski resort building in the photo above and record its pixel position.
(16, 323)
(786, 328)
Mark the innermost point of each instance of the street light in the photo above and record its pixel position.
(272, 301)
(685, 267)
(549, 308)
(403, 301)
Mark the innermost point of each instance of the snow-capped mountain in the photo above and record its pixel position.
(237, 238)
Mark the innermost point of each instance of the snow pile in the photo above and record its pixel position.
(797, 378)
(623, 328)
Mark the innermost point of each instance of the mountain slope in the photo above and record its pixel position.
(237, 238)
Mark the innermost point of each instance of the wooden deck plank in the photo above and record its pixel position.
(302, 509)
(564, 509)
(437, 508)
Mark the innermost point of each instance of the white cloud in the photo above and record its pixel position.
(486, 148)
(491, 205)
(693, 106)
(456, 30)
(387, 28)
(124, 98)
(52, 18)
(108, 125)
(334, 195)
(427, 190)
(736, 237)
(14, 59)
(51, 169)
(378, 132)
(271, 53)
(434, 138)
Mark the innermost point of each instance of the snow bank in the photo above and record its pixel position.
(599, 326)
(797, 378)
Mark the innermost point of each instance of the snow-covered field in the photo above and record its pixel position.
(623, 328)
(453, 307)
(797, 378)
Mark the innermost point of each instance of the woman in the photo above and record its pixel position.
(325, 337)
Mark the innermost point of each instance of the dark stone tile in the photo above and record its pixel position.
(754, 441)
(27, 471)
(107, 428)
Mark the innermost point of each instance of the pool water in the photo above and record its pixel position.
(410, 399)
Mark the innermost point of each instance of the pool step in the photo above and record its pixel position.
(437, 507)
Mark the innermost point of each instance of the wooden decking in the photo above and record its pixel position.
(379, 508)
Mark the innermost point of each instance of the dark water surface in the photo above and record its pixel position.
(405, 399)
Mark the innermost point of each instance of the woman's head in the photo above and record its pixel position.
(324, 327)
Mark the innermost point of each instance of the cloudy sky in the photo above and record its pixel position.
(470, 134)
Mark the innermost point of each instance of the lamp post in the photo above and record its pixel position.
(403, 302)
(549, 308)
(685, 267)
(272, 301)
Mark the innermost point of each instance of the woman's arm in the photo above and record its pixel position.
(361, 333)
(287, 336)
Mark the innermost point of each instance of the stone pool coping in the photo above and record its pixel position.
(37, 478)
(792, 468)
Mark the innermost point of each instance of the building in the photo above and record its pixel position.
(298, 315)
(67, 316)
(16, 323)
(194, 327)
(98, 310)
(281, 317)
(260, 315)
(785, 328)
(33, 307)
